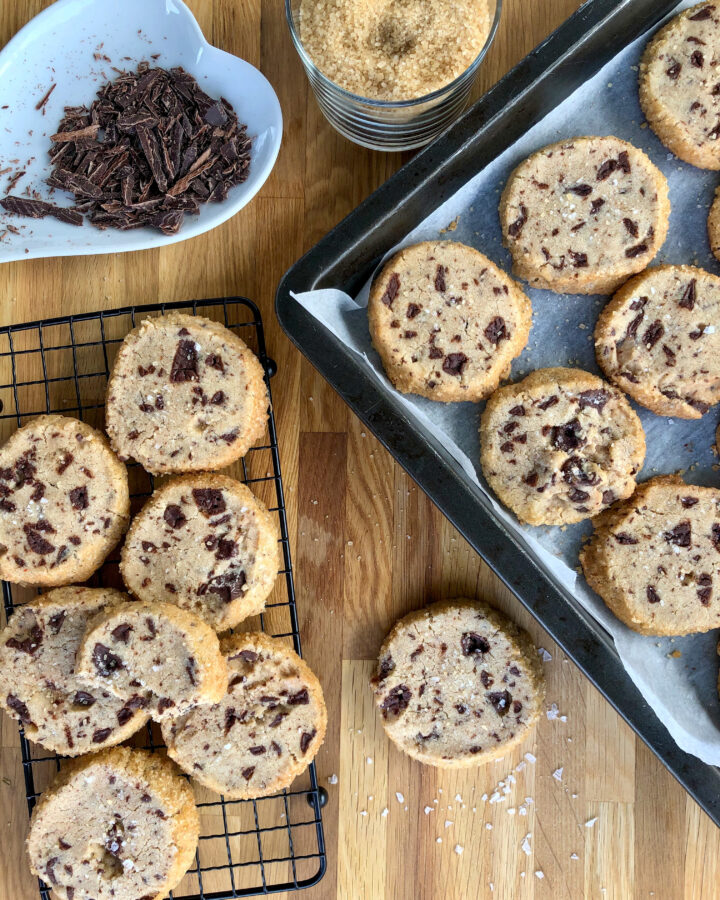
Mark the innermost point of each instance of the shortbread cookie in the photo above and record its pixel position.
(458, 684)
(40, 687)
(64, 502)
(581, 216)
(446, 321)
(185, 394)
(166, 655)
(263, 733)
(659, 340)
(714, 225)
(119, 825)
(655, 559)
(560, 446)
(680, 85)
(207, 544)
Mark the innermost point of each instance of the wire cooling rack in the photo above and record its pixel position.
(62, 365)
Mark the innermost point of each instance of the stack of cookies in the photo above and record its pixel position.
(586, 215)
(83, 668)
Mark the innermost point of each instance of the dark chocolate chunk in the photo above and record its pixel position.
(185, 363)
(105, 661)
(496, 331)
(631, 227)
(247, 773)
(639, 249)
(396, 701)
(567, 437)
(486, 678)
(385, 667)
(300, 698)
(687, 502)
(79, 498)
(680, 535)
(704, 590)
(40, 209)
(29, 644)
(440, 279)
(18, 707)
(653, 334)
(122, 632)
(174, 516)
(582, 190)
(228, 586)
(36, 542)
(673, 70)
(413, 310)
(305, 740)
(697, 59)
(595, 398)
(651, 594)
(454, 363)
(622, 537)
(210, 501)
(165, 703)
(703, 14)
(474, 643)
(517, 226)
(500, 701)
(687, 301)
(82, 698)
(391, 291)
(101, 734)
(215, 362)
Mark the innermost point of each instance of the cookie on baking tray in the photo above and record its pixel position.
(165, 656)
(207, 544)
(655, 558)
(458, 684)
(560, 446)
(119, 825)
(185, 394)
(446, 321)
(714, 225)
(263, 733)
(680, 85)
(583, 215)
(39, 684)
(659, 340)
(64, 502)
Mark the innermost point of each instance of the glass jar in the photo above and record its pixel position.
(389, 124)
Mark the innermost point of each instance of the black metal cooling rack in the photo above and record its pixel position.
(62, 365)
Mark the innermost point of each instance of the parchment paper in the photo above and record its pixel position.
(681, 689)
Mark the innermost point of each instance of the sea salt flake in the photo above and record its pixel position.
(458, 849)
(557, 774)
(333, 779)
(530, 757)
(539, 874)
(544, 655)
(591, 822)
(399, 797)
(525, 845)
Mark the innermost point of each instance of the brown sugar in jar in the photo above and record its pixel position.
(394, 49)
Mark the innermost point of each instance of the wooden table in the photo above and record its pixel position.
(602, 816)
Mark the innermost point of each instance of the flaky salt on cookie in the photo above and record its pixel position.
(458, 684)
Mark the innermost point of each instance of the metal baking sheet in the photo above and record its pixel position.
(346, 258)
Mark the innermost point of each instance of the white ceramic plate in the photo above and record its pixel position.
(65, 45)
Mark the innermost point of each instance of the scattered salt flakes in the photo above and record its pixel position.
(544, 655)
(399, 797)
(128, 864)
(522, 874)
(539, 874)
(438, 840)
(511, 811)
(522, 811)
(574, 856)
(458, 798)
(448, 823)
(484, 797)
(521, 765)
(492, 886)
(591, 822)
(530, 757)
(429, 809)
(488, 826)
(525, 846)
(384, 812)
(369, 760)
(553, 712)
(458, 849)
(496, 797)
(557, 774)
(333, 779)
(363, 812)
(528, 800)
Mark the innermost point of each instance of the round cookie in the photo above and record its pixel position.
(458, 684)
(659, 340)
(119, 825)
(446, 321)
(264, 732)
(680, 85)
(166, 655)
(204, 543)
(581, 216)
(655, 559)
(39, 685)
(185, 394)
(560, 446)
(64, 502)
(714, 225)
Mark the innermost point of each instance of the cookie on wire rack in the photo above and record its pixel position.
(185, 394)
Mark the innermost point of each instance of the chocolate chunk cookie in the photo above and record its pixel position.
(714, 225)
(659, 340)
(264, 732)
(458, 684)
(655, 559)
(167, 656)
(207, 544)
(446, 321)
(581, 216)
(40, 687)
(119, 825)
(185, 395)
(64, 502)
(680, 85)
(560, 446)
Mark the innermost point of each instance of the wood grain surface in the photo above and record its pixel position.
(368, 546)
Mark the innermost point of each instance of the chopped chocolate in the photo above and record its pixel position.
(174, 516)
(29, 644)
(210, 501)
(152, 147)
(689, 296)
(454, 363)
(185, 363)
(391, 291)
(79, 498)
(497, 331)
(396, 701)
(517, 226)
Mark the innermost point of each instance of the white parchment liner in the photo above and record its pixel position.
(682, 689)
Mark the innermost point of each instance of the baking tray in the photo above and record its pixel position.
(247, 847)
(346, 258)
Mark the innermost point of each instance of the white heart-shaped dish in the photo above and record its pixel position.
(69, 45)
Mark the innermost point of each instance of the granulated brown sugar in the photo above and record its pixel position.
(393, 49)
